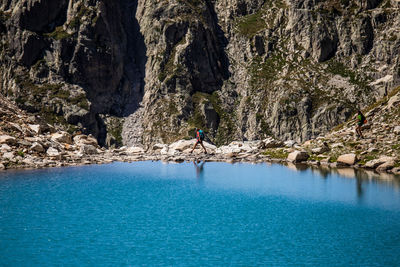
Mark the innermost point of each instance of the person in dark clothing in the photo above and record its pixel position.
(199, 140)
(360, 122)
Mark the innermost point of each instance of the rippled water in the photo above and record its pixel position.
(216, 214)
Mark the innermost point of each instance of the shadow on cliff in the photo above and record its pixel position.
(131, 88)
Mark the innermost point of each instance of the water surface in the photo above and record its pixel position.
(212, 214)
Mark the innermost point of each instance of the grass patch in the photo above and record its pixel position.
(21, 153)
(338, 68)
(59, 33)
(276, 153)
(250, 25)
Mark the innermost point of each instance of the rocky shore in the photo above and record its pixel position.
(26, 141)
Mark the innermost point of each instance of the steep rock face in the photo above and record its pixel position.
(72, 61)
(240, 69)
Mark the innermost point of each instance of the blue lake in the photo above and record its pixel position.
(216, 214)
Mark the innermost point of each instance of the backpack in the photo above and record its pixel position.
(201, 135)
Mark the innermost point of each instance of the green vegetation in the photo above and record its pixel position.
(76, 21)
(115, 129)
(276, 153)
(59, 33)
(21, 153)
(383, 100)
(250, 25)
(338, 68)
(226, 127)
(169, 68)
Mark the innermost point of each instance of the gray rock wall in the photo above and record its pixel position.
(240, 69)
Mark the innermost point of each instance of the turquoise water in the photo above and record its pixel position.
(216, 214)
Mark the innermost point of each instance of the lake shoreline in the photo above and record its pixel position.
(118, 155)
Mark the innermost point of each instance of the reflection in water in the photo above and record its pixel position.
(362, 176)
(199, 169)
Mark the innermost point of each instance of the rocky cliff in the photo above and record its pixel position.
(150, 71)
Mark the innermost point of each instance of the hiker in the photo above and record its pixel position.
(360, 122)
(199, 139)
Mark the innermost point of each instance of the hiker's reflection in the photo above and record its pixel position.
(199, 169)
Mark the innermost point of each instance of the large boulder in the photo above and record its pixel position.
(347, 159)
(298, 156)
(386, 166)
(62, 137)
(376, 162)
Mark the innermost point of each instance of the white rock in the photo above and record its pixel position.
(62, 137)
(8, 155)
(386, 166)
(348, 159)
(394, 101)
(85, 140)
(337, 145)
(396, 130)
(377, 162)
(320, 150)
(297, 156)
(158, 146)
(5, 148)
(182, 145)
(289, 143)
(36, 128)
(37, 147)
(52, 152)
(164, 151)
(6, 139)
(135, 150)
(270, 143)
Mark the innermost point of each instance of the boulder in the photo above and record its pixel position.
(394, 101)
(376, 162)
(62, 137)
(52, 152)
(2, 167)
(5, 148)
(396, 170)
(6, 139)
(37, 147)
(85, 140)
(8, 155)
(320, 150)
(36, 128)
(88, 149)
(158, 147)
(182, 145)
(270, 143)
(347, 159)
(289, 143)
(386, 166)
(298, 156)
(396, 130)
